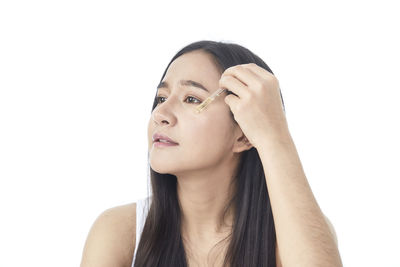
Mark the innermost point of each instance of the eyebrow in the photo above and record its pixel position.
(185, 83)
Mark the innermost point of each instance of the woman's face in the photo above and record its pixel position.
(205, 139)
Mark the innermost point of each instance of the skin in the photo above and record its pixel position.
(304, 235)
(204, 161)
(208, 152)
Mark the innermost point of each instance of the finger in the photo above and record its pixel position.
(258, 70)
(243, 74)
(234, 85)
(232, 101)
(269, 76)
(261, 72)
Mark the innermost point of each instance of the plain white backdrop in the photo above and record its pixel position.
(77, 81)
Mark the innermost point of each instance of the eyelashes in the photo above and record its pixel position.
(198, 101)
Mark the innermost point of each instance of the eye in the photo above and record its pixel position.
(192, 97)
(188, 97)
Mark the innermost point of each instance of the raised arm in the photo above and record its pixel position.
(305, 236)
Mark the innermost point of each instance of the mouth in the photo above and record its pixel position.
(163, 143)
(163, 139)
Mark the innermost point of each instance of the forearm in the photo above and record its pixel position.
(303, 236)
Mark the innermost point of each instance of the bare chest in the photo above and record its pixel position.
(207, 256)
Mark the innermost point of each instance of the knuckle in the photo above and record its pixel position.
(265, 83)
(223, 79)
(273, 78)
(240, 67)
(230, 69)
(259, 84)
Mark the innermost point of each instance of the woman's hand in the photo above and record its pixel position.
(257, 108)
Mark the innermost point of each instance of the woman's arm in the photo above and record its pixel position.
(304, 235)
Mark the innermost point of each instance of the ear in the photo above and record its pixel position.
(241, 143)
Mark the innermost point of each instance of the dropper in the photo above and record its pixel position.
(208, 100)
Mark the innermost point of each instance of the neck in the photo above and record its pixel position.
(203, 197)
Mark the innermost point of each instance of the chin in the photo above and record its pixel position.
(160, 168)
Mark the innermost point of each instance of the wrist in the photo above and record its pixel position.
(277, 138)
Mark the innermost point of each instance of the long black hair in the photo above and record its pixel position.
(252, 241)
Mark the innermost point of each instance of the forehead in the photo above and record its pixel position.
(197, 66)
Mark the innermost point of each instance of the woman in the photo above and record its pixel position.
(228, 188)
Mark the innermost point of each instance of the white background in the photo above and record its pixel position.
(77, 83)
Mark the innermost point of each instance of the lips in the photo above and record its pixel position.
(158, 136)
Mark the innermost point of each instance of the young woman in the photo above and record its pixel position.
(228, 187)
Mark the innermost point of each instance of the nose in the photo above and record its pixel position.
(164, 113)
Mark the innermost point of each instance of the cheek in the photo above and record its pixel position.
(209, 131)
(150, 130)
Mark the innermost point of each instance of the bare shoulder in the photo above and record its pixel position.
(111, 239)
